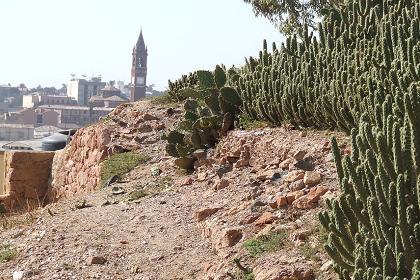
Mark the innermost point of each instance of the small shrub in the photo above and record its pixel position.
(310, 249)
(120, 164)
(243, 273)
(164, 99)
(137, 194)
(7, 252)
(246, 122)
(266, 243)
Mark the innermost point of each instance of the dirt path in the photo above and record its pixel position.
(153, 238)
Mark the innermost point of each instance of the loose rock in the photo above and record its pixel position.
(311, 178)
(95, 260)
(230, 237)
(204, 213)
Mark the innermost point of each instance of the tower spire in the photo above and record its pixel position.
(140, 40)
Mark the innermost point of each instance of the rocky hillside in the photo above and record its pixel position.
(249, 211)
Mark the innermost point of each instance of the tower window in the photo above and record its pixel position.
(39, 119)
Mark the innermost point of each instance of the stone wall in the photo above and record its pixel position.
(26, 179)
(76, 168)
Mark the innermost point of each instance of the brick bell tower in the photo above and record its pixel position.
(139, 70)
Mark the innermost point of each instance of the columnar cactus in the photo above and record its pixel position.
(375, 223)
(361, 74)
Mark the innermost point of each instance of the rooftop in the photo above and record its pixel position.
(12, 125)
(110, 88)
(64, 107)
(111, 98)
(35, 144)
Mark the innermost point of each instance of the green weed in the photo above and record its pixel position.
(120, 164)
(267, 243)
(7, 252)
(246, 122)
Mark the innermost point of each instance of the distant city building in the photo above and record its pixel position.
(57, 115)
(109, 97)
(4, 108)
(82, 90)
(139, 70)
(10, 95)
(76, 116)
(35, 100)
(125, 89)
(16, 132)
(34, 117)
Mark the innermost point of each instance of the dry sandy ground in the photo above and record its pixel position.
(157, 236)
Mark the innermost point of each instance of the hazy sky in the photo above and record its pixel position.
(44, 41)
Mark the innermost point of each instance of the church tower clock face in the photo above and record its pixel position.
(140, 81)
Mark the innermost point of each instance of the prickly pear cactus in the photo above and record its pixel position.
(207, 106)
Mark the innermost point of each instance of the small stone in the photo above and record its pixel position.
(117, 190)
(223, 169)
(273, 203)
(326, 266)
(294, 176)
(156, 258)
(292, 196)
(18, 275)
(250, 218)
(299, 155)
(149, 117)
(207, 266)
(199, 154)
(316, 193)
(230, 237)
(95, 260)
(265, 218)
(326, 146)
(221, 184)
(188, 181)
(254, 161)
(303, 134)
(259, 203)
(202, 176)
(270, 174)
(285, 164)
(274, 162)
(297, 185)
(305, 164)
(278, 175)
(311, 178)
(311, 199)
(329, 158)
(204, 213)
(281, 201)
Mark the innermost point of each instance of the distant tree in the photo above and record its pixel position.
(291, 16)
(150, 87)
(63, 89)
